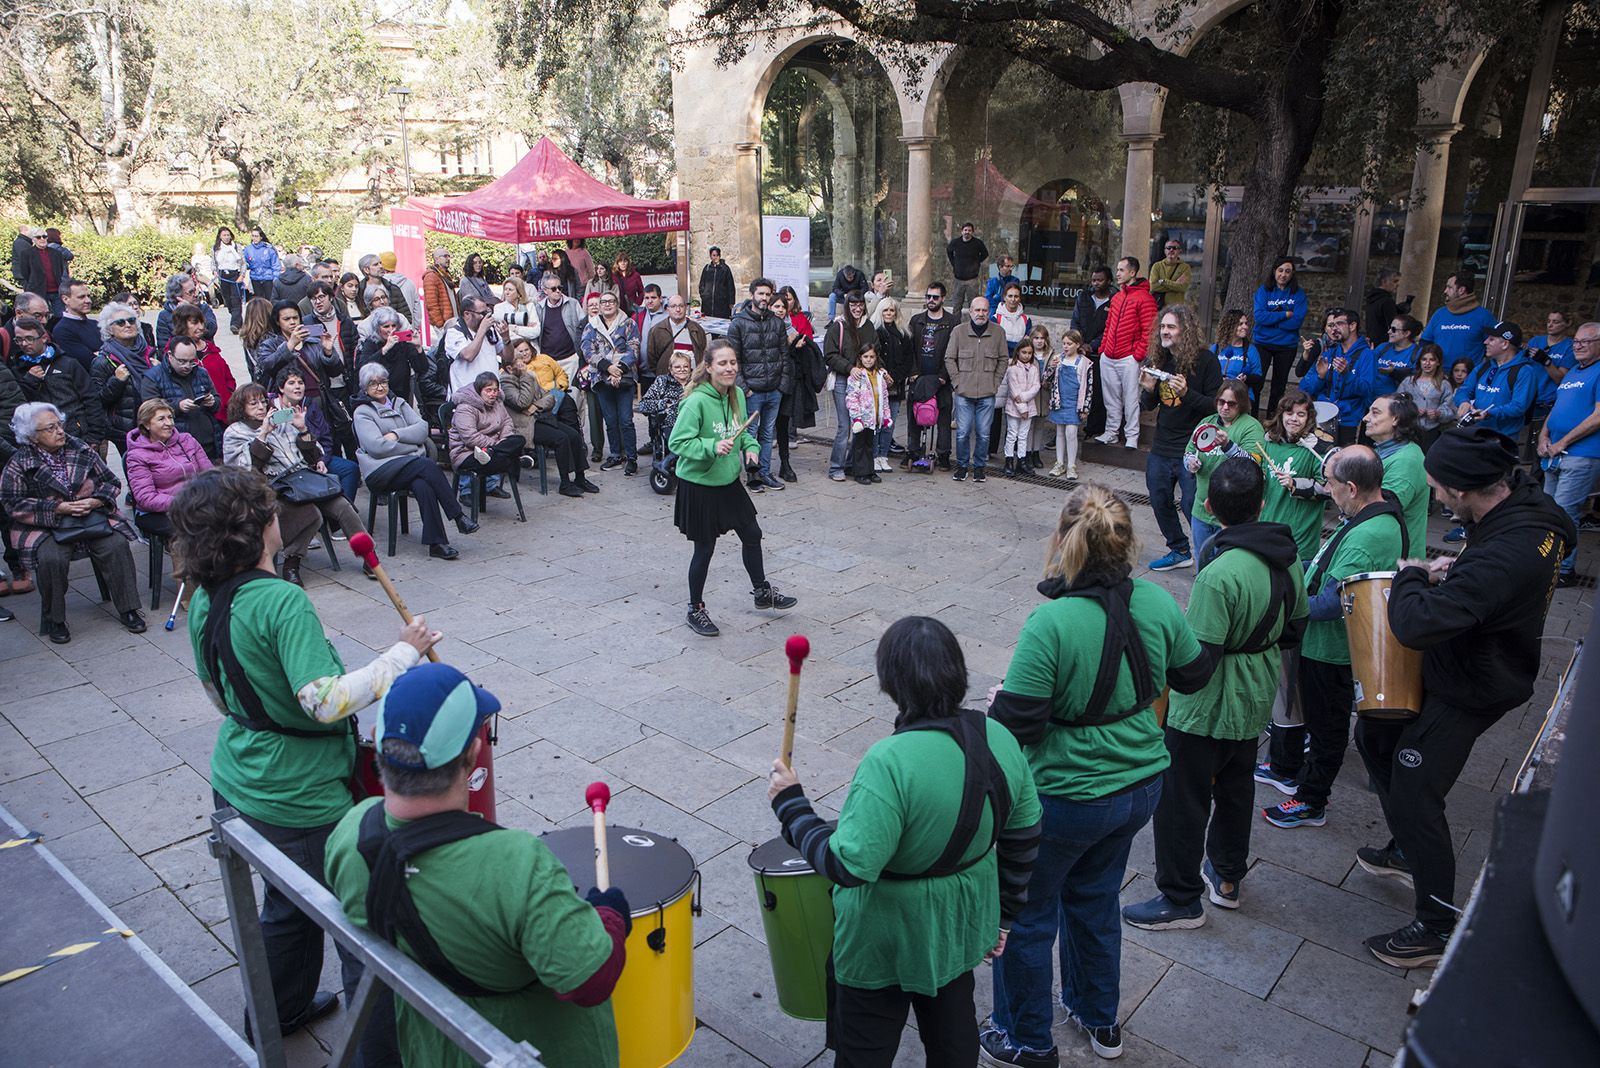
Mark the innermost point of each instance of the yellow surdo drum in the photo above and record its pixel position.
(654, 999)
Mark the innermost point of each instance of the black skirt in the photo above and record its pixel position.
(705, 513)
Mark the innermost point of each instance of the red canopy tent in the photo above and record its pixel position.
(547, 197)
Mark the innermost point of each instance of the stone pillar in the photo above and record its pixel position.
(746, 259)
(1138, 197)
(1424, 213)
(919, 212)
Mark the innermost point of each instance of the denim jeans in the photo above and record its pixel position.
(1083, 854)
(1569, 486)
(973, 416)
(1161, 475)
(1203, 532)
(881, 441)
(839, 458)
(348, 472)
(616, 408)
(764, 403)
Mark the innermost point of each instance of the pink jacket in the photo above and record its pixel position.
(157, 472)
(1022, 379)
(474, 424)
(867, 399)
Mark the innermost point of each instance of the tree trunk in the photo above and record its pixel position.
(244, 188)
(122, 214)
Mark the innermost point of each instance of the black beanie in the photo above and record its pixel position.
(1470, 458)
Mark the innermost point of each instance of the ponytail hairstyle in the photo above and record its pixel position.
(702, 370)
(1094, 534)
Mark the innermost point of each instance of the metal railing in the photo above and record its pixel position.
(238, 848)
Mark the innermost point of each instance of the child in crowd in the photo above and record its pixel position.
(1070, 373)
(1434, 397)
(1022, 404)
(867, 401)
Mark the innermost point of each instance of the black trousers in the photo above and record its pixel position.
(861, 448)
(112, 558)
(505, 456)
(1327, 693)
(425, 481)
(1286, 750)
(1209, 780)
(1276, 361)
(565, 443)
(864, 1026)
(1414, 765)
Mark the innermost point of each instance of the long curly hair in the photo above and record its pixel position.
(220, 520)
(1229, 324)
(1188, 347)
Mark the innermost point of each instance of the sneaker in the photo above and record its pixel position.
(1072, 474)
(1222, 894)
(1456, 534)
(315, 544)
(338, 535)
(1567, 580)
(837, 476)
(896, 449)
(700, 621)
(1107, 439)
(1058, 470)
(610, 462)
(995, 1048)
(1172, 561)
(1292, 813)
(1161, 913)
(1132, 445)
(880, 463)
(1105, 1041)
(755, 485)
(1589, 526)
(772, 483)
(1412, 946)
(632, 468)
(767, 596)
(944, 463)
(977, 474)
(1281, 783)
(1387, 862)
(960, 474)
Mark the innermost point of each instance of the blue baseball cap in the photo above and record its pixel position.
(437, 709)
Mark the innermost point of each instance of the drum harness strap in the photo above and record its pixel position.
(982, 782)
(1280, 598)
(1114, 594)
(1319, 567)
(216, 649)
(391, 913)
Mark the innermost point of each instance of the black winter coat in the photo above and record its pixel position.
(762, 342)
(894, 356)
(66, 385)
(119, 397)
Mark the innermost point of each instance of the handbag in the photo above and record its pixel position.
(75, 528)
(306, 486)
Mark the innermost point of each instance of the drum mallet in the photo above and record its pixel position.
(361, 545)
(797, 648)
(597, 797)
(172, 617)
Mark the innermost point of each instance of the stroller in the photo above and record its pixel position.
(663, 464)
(924, 397)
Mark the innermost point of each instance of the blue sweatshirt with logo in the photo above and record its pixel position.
(1351, 389)
(1278, 315)
(1509, 392)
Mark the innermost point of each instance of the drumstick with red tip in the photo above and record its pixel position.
(797, 648)
(597, 797)
(361, 545)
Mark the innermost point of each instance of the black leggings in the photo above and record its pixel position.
(700, 562)
(1276, 362)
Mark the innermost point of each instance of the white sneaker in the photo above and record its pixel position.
(880, 463)
(1057, 470)
(1131, 445)
(1072, 472)
(1107, 439)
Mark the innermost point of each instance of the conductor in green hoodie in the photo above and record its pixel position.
(712, 441)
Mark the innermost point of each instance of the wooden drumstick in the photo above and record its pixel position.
(797, 648)
(597, 797)
(361, 544)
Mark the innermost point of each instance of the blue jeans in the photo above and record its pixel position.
(1083, 854)
(616, 408)
(348, 472)
(1161, 475)
(839, 458)
(1203, 532)
(973, 416)
(880, 442)
(765, 404)
(1569, 486)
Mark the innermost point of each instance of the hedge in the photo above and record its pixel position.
(138, 261)
(649, 252)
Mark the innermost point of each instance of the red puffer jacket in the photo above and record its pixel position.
(1128, 321)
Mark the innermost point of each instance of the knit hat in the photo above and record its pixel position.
(435, 708)
(1470, 457)
(388, 260)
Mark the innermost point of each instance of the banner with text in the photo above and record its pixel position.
(786, 251)
(410, 251)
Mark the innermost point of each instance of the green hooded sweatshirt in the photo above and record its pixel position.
(705, 417)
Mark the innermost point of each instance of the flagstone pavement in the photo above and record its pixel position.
(575, 620)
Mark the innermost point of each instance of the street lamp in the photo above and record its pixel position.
(405, 146)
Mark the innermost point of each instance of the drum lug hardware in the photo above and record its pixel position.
(695, 908)
(657, 940)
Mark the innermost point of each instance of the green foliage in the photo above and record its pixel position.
(309, 226)
(138, 260)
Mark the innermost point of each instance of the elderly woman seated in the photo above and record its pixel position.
(393, 453)
(392, 345)
(533, 416)
(280, 446)
(61, 497)
(482, 439)
(160, 459)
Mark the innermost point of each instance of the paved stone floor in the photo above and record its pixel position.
(575, 620)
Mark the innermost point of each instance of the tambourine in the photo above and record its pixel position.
(1206, 437)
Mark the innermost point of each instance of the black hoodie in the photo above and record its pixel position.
(1274, 544)
(1480, 628)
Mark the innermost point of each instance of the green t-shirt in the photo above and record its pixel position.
(1302, 517)
(919, 934)
(503, 911)
(1231, 596)
(1058, 655)
(1373, 546)
(1245, 432)
(1404, 476)
(277, 778)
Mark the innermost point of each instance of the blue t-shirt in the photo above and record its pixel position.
(1508, 392)
(1560, 356)
(1459, 335)
(1395, 365)
(1239, 362)
(1576, 397)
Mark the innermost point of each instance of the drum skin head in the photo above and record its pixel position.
(776, 857)
(650, 869)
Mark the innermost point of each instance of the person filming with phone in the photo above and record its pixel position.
(394, 346)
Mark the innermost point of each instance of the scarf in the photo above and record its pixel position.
(1462, 305)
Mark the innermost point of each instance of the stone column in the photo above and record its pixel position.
(746, 259)
(919, 212)
(1138, 197)
(1424, 213)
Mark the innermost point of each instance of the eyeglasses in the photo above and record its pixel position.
(48, 428)
(123, 322)
(1226, 403)
(1397, 330)
(1586, 341)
